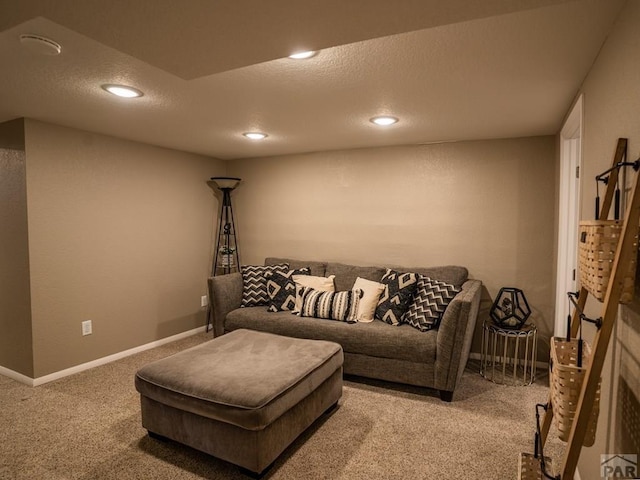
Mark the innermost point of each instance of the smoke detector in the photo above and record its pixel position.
(40, 44)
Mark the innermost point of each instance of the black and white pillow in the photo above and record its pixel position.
(254, 285)
(342, 306)
(397, 295)
(282, 289)
(429, 303)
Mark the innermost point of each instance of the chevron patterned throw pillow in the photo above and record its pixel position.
(254, 285)
(429, 303)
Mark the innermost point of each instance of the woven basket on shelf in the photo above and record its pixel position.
(566, 383)
(529, 467)
(598, 243)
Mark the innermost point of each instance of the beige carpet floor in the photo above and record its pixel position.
(87, 426)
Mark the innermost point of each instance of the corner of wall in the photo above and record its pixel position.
(16, 349)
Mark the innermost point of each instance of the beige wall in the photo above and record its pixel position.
(15, 305)
(119, 233)
(487, 205)
(611, 110)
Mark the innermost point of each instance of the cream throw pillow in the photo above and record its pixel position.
(371, 294)
(317, 283)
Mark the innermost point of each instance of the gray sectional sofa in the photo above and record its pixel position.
(434, 359)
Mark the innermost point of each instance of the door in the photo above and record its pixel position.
(569, 214)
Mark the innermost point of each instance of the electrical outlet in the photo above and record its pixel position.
(204, 301)
(87, 328)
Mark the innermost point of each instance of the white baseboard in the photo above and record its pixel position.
(34, 382)
(18, 377)
(478, 356)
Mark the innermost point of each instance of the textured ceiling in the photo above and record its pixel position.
(210, 70)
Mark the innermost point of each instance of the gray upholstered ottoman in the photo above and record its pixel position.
(242, 397)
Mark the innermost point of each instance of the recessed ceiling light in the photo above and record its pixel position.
(304, 55)
(122, 91)
(255, 135)
(384, 120)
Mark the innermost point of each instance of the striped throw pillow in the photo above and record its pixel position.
(342, 306)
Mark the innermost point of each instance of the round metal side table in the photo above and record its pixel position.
(509, 355)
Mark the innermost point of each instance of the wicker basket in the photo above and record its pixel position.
(597, 247)
(566, 383)
(529, 467)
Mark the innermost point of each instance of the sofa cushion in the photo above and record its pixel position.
(377, 339)
(282, 289)
(429, 303)
(317, 268)
(342, 306)
(452, 274)
(399, 288)
(346, 274)
(254, 285)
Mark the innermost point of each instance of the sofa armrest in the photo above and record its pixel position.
(455, 334)
(225, 295)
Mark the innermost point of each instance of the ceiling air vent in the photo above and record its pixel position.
(40, 44)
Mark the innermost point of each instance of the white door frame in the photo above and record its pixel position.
(569, 214)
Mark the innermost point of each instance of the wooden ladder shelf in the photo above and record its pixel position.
(590, 385)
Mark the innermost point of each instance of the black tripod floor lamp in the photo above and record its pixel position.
(225, 257)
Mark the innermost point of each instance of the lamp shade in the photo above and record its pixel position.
(510, 308)
(226, 182)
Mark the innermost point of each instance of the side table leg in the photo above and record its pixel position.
(483, 351)
(534, 355)
(504, 359)
(493, 357)
(526, 358)
(515, 360)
